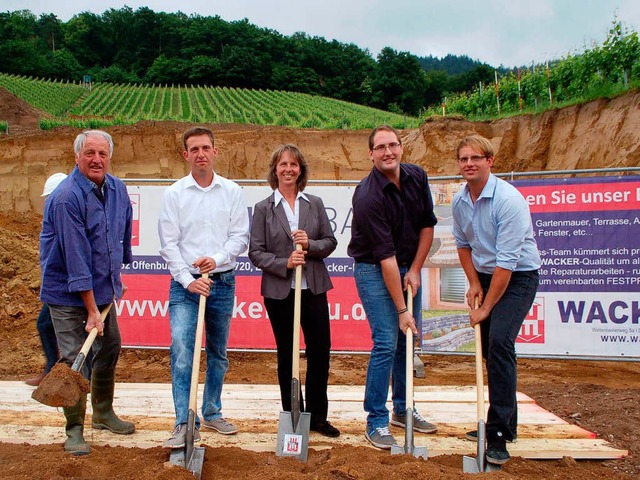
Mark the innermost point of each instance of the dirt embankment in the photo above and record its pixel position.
(602, 133)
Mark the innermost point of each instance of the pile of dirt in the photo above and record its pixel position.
(18, 113)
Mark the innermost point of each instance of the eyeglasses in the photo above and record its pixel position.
(473, 158)
(393, 146)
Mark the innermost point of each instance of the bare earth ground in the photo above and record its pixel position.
(599, 396)
(602, 397)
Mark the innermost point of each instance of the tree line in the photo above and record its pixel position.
(152, 48)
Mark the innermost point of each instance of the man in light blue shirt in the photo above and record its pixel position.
(494, 236)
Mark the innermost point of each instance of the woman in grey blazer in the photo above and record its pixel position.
(281, 221)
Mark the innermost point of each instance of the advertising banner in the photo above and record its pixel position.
(143, 311)
(587, 230)
(588, 301)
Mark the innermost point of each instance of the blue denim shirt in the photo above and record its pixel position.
(84, 241)
(497, 228)
(387, 221)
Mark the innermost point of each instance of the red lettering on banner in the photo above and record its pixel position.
(582, 197)
(143, 315)
(532, 330)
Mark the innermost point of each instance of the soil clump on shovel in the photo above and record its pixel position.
(62, 387)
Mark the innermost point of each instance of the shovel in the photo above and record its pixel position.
(63, 386)
(479, 464)
(192, 457)
(294, 426)
(409, 447)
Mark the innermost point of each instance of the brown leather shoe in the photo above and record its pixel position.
(35, 381)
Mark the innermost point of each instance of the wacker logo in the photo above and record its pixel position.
(532, 330)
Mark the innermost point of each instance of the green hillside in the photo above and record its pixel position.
(108, 104)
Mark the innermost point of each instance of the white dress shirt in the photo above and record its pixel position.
(294, 221)
(199, 222)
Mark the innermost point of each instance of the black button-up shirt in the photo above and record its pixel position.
(386, 220)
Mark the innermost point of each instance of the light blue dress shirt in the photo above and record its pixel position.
(497, 228)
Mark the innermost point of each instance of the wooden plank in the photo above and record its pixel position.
(355, 393)
(267, 409)
(436, 444)
(255, 408)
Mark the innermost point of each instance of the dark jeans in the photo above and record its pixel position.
(314, 319)
(47, 337)
(499, 333)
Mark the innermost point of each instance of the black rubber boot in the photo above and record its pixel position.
(75, 443)
(102, 386)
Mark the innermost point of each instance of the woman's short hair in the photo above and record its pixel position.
(295, 152)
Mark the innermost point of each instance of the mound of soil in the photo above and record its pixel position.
(18, 113)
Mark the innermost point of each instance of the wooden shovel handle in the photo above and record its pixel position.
(479, 379)
(197, 348)
(86, 346)
(94, 331)
(297, 306)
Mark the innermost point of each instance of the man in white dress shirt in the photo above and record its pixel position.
(203, 227)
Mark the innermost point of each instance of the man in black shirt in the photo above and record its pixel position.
(391, 234)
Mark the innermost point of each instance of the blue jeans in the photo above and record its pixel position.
(389, 345)
(499, 332)
(183, 315)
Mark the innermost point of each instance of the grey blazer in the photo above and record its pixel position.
(271, 245)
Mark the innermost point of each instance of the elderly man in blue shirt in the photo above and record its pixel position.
(494, 236)
(85, 239)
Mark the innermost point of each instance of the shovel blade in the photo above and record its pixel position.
(293, 441)
(194, 464)
(476, 465)
(409, 447)
(177, 457)
(418, 452)
(470, 465)
(479, 464)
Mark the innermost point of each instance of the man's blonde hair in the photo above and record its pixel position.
(478, 143)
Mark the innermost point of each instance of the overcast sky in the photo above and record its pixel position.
(498, 32)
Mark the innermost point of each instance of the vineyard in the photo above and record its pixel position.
(601, 71)
(115, 104)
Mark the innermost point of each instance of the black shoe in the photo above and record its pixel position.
(325, 428)
(497, 453)
(473, 437)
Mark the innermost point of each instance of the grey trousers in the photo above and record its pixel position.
(69, 324)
